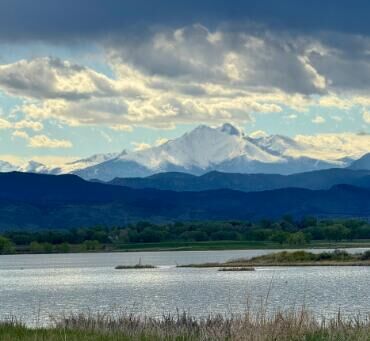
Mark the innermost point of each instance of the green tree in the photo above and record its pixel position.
(298, 238)
(280, 237)
(63, 248)
(47, 247)
(36, 247)
(6, 246)
(91, 245)
(336, 232)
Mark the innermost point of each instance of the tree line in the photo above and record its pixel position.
(283, 231)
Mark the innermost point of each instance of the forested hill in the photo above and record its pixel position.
(33, 201)
(322, 179)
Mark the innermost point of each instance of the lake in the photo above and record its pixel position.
(33, 287)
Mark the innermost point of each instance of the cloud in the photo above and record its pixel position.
(160, 141)
(4, 124)
(48, 78)
(258, 134)
(41, 141)
(244, 59)
(139, 146)
(195, 74)
(20, 134)
(318, 120)
(366, 116)
(335, 146)
(92, 19)
(122, 127)
(25, 124)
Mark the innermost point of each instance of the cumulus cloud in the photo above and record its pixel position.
(4, 124)
(45, 78)
(139, 146)
(41, 141)
(335, 146)
(23, 124)
(194, 74)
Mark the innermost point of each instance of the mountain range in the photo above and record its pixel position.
(46, 201)
(203, 150)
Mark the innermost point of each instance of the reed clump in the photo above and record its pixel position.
(290, 325)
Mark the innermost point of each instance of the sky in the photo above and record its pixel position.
(91, 76)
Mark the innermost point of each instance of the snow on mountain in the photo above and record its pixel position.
(278, 144)
(87, 162)
(7, 166)
(204, 149)
(34, 167)
(201, 148)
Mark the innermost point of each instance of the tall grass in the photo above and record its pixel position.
(289, 325)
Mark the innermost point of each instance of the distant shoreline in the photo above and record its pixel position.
(203, 246)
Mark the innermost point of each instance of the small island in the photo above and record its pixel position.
(136, 267)
(237, 269)
(296, 258)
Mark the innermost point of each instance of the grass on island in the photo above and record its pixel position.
(137, 266)
(237, 269)
(290, 325)
(296, 258)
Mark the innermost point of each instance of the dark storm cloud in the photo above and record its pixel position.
(54, 20)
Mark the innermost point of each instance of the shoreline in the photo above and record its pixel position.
(204, 246)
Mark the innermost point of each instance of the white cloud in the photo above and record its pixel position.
(41, 141)
(257, 134)
(4, 124)
(191, 75)
(335, 146)
(139, 146)
(366, 116)
(25, 124)
(318, 120)
(161, 141)
(122, 127)
(20, 134)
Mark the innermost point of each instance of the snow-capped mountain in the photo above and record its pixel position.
(7, 167)
(205, 149)
(80, 164)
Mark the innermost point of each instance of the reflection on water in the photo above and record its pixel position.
(34, 286)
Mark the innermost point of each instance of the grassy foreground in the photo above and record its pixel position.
(299, 325)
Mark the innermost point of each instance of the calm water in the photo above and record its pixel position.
(34, 286)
